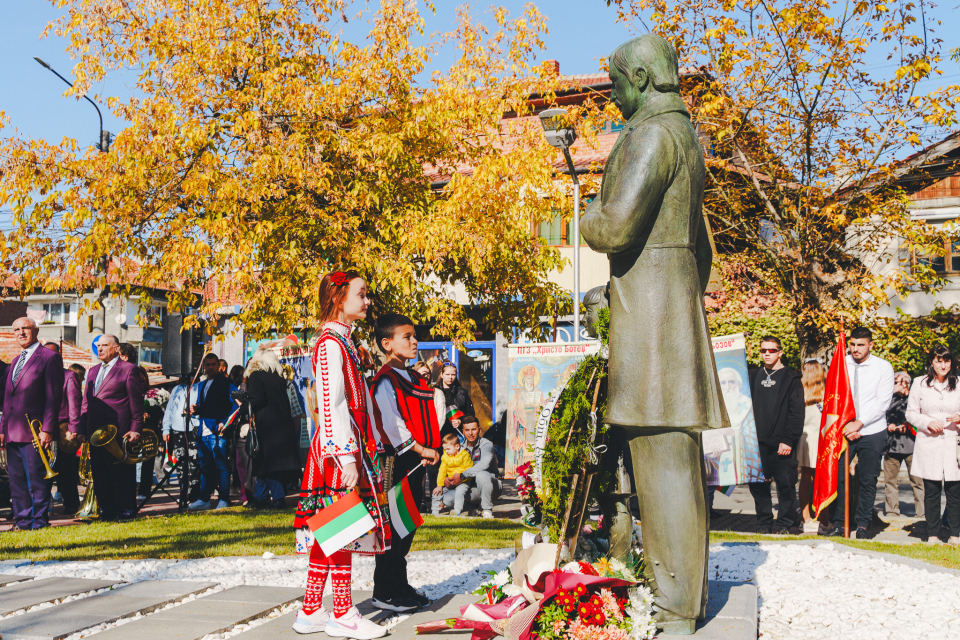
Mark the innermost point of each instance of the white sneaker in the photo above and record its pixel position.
(487, 514)
(199, 505)
(353, 625)
(222, 505)
(313, 623)
(933, 541)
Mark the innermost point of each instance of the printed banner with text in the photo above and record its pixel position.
(538, 373)
(732, 456)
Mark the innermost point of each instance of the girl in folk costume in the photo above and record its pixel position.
(344, 454)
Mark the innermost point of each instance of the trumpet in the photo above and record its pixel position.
(146, 447)
(44, 456)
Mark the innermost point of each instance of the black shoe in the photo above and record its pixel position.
(398, 603)
(836, 532)
(863, 534)
(824, 531)
(766, 531)
(419, 596)
(792, 531)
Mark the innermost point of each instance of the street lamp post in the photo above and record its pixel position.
(561, 135)
(104, 144)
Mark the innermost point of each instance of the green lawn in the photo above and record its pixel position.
(942, 555)
(230, 532)
(239, 532)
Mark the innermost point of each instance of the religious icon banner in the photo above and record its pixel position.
(732, 456)
(537, 375)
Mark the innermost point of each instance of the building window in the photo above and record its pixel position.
(155, 315)
(150, 354)
(57, 313)
(949, 262)
(556, 232)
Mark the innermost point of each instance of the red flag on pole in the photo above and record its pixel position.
(838, 410)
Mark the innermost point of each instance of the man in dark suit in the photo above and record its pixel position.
(33, 390)
(213, 407)
(68, 465)
(114, 395)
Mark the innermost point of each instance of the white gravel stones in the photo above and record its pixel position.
(827, 592)
(436, 572)
(823, 592)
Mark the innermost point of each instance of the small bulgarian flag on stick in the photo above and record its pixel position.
(453, 413)
(341, 523)
(403, 510)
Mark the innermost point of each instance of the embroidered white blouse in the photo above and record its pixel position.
(336, 430)
(934, 456)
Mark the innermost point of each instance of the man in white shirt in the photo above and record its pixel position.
(871, 381)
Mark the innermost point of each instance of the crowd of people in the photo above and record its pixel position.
(898, 421)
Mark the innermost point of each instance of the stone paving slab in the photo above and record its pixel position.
(66, 619)
(446, 607)
(5, 580)
(279, 627)
(26, 594)
(215, 613)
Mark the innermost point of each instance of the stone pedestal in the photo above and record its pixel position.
(731, 613)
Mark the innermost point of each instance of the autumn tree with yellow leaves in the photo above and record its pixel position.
(807, 105)
(263, 149)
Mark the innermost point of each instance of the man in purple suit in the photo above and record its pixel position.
(113, 395)
(68, 465)
(33, 389)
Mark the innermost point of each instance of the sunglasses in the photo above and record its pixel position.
(769, 350)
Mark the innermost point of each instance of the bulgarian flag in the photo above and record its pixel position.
(341, 523)
(403, 510)
(453, 413)
(838, 410)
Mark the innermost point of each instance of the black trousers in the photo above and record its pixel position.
(68, 477)
(147, 470)
(188, 454)
(783, 471)
(115, 485)
(931, 506)
(390, 573)
(869, 453)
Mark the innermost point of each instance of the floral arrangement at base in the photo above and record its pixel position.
(605, 600)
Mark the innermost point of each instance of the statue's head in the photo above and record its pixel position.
(641, 67)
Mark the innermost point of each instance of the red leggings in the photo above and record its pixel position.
(338, 567)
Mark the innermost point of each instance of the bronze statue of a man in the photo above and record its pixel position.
(663, 383)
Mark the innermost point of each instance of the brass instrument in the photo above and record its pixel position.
(44, 456)
(83, 468)
(146, 447)
(65, 444)
(89, 508)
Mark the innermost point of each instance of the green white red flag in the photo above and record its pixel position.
(339, 524)
(404, 513)
(838, 411)
(453, 413)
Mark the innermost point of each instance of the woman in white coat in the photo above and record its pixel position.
(934, 409)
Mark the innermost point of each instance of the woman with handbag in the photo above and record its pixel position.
(934, 409)
(345, 454)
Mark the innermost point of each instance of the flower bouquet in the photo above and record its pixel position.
(156, 397)
(582, 601)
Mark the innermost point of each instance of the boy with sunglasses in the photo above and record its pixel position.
(778, 408)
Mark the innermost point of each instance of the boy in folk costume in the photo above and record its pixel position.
(408, 420)
(345, 453)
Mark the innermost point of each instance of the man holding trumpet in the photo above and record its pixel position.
(32, 394)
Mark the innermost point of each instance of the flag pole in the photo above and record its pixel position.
(846, 492)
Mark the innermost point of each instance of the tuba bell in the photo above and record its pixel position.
(146, 447)
(44, 456)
